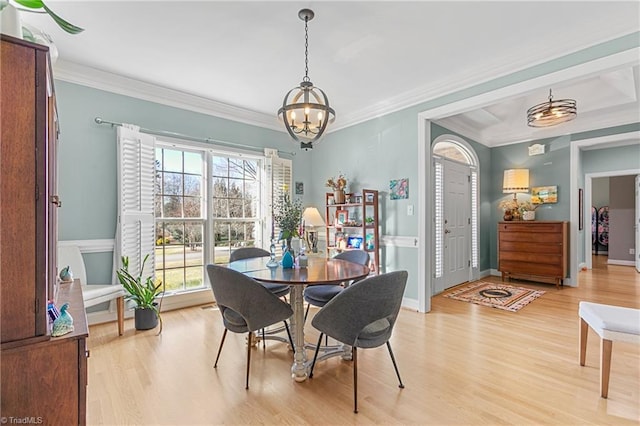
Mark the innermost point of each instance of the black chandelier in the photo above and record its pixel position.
(552, 112)
(305, 109)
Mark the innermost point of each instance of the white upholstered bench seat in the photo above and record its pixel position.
(611, 323)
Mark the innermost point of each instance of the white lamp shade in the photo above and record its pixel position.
(515, 180)
(312, 218)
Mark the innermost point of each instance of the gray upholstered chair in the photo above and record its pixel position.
(319, 295)
(363, 316)
(245, 305)
(280, 290)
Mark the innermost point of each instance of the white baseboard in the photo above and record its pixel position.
(170, 303)
(410, 304)
(621, 262)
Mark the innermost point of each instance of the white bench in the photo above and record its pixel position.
(610, 323)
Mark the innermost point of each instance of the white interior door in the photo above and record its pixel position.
(637, 223)
(456, 224)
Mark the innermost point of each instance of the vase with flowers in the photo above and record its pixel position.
(527, 210)
(338, 185)
(287, 214)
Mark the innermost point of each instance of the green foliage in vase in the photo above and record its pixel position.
(287, 214)
(39, 4)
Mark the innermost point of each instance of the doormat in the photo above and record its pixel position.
(500, 296)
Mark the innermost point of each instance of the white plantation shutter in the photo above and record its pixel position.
(438, 200)
(135, 234)
(279, 176)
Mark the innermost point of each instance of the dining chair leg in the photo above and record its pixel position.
(355, 379)
(220, 348)
(306, 313)
(286, 327)
(264, 341)
(315, 356)
(248, 359)
(393, 359)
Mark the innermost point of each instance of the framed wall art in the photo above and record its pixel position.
(544, 194)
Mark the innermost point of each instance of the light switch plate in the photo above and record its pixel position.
(410, 210)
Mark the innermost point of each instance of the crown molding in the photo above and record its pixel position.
(115, 83)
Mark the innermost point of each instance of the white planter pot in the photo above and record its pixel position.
(11, 24)
(529, 215)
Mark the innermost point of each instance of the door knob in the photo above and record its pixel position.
(446, 231)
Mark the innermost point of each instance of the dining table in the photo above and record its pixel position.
(319, 270)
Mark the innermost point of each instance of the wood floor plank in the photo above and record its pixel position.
(460, 363)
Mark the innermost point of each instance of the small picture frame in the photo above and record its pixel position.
(342, 217)
(369, 198)
(358, 199)
(299, 188)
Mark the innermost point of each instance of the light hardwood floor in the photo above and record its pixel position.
(461, 364)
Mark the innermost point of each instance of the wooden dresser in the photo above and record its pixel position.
(533, 250)
(43, 378)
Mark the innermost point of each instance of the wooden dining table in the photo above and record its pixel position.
(318, 271)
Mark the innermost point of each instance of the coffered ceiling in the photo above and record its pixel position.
(238, 59)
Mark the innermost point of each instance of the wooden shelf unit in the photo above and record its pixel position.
(356, 226)
(533, 250)
(43, 378)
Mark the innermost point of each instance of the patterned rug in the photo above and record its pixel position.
(500, 296)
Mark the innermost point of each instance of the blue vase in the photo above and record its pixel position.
(287, 260)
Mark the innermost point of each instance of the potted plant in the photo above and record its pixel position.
(144, 293)
(287, 214)
(338, 186)
(38, 6)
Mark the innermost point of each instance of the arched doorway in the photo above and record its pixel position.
(455, 212)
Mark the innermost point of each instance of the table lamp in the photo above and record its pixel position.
(514, 181)
(312, 220)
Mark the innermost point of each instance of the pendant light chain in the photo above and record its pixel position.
(306, 50)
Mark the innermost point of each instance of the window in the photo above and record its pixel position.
(180, 218)
(236, 202)
(187, 204)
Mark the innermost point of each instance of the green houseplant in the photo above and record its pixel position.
(36, 6)
(287, 214)
(144, 293)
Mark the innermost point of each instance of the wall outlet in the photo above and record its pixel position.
(632, 251)
(410, 210)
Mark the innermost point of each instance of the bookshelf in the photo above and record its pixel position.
(354, 225)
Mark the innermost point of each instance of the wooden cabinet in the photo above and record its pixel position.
(33, 363)
(535, 250)
(354, 225)
(48, 380)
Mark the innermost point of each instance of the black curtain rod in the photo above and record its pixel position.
(192, 138)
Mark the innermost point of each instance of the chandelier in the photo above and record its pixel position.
(552, 112)
(305, 109)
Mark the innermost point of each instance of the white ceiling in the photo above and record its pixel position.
(238, 59)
